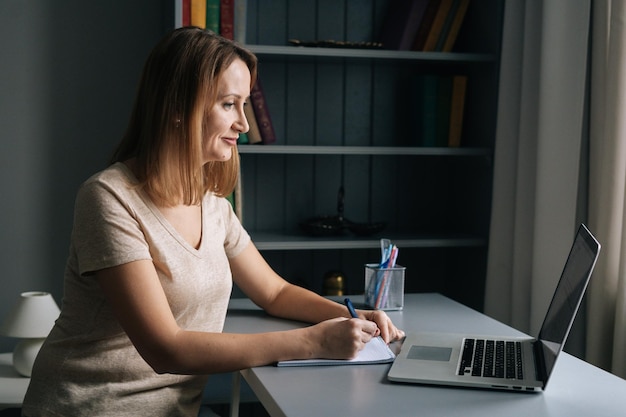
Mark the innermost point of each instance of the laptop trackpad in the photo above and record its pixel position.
(430, 353)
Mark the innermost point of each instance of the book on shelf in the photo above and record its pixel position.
(186, 13)
(437, 25)
(447, 25)
(401, 23)
(254, 134)
(235, 199)
(424, 108)
(227, 18)
(239, 198)
(438, 109)
(198, 13)
(213, 15)
(442, 118)
(425, 24)
(457, 109)
(243, 139)
(241, 10)
(449, 37)
(231, 199)
(179, 13)
(262, 114)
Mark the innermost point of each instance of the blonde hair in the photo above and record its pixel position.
(164, 135)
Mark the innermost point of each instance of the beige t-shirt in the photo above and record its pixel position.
(88, 366)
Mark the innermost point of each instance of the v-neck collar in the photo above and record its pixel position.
(161, 218)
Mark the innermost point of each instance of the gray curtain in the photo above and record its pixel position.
(606, 336)
(539, 149)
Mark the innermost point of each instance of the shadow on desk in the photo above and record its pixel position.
(223, 410)
(11, 412)
(217, 394)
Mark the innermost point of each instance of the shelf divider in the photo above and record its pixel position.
(276, 241)
(358, 53)
(361, 150)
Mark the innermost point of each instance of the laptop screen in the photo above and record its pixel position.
(567, 297)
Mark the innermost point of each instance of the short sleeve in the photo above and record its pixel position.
(237, 239)
(106, 232)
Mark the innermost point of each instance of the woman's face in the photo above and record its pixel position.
(226, 119)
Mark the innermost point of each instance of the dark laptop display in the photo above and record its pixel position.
(566, 300)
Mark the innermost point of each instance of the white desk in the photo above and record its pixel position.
(12, 385)
(575, 389)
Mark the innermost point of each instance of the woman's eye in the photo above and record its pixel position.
(228, 105)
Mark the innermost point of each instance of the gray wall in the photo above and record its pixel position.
(68, 73)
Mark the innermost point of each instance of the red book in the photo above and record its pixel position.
(257, 98)
(186, 12)
(227, 18)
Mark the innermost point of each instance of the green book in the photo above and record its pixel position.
(428, 109)
(442, 116)
(213, 15)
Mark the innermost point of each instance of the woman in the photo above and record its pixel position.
(155, 248)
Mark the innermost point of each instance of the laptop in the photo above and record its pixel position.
(518, 363)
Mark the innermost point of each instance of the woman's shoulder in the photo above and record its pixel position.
(117, 173)
(221, 204)
(114, 182)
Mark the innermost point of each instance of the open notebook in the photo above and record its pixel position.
(375, 351)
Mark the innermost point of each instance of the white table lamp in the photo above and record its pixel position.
(30, 319)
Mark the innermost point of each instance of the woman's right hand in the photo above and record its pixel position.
(341, 338)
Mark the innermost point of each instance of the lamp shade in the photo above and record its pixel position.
(32, 317)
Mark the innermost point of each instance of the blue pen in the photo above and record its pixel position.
(351, 308)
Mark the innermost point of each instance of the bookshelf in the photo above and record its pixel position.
(346, 118)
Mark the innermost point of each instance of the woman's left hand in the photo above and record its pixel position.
(388, 331)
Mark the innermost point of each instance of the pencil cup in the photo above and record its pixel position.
(384, 287)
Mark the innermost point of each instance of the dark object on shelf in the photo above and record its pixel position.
(336, 44)
(336, 225)
(334, 282)
(323, 226)
(366, 229)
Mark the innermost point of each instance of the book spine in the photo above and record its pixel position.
(456, 26)
(426, 24)
(262, 113)
(178, 13)
(447, 25)
(437, 25)
(428, 99)
(227, 18)
(238, 197)
(444, 95)
(241, 10)
(402, 23)
(186, 12)
(254, 134)
(457, 108)
(243, 139)
(198, 13)
(213, 15)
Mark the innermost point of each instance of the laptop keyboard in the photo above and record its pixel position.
(492, 358)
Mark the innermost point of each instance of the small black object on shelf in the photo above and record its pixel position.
(338, 224)
(336, 44)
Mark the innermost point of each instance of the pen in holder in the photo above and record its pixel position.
(384, 287)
